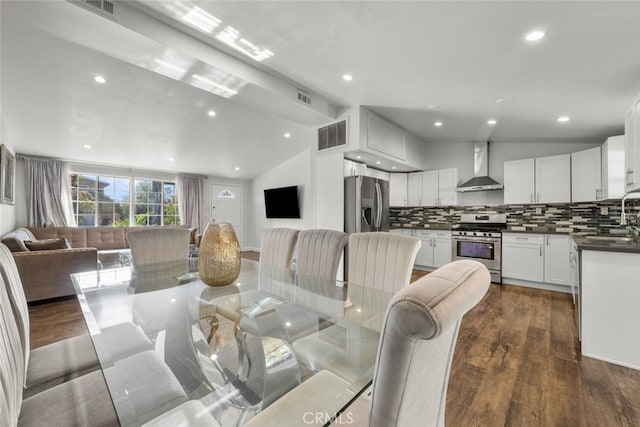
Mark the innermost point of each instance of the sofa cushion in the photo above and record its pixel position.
(105, 238)
(77, 236)
(15, 239)
(47, 244)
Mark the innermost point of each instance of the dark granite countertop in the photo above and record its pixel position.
(432, 226)
(586, 244)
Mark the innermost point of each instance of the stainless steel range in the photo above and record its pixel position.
(479, 237)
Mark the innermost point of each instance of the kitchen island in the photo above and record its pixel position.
(610, 299)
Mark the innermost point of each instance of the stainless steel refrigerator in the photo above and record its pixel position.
(366, 204)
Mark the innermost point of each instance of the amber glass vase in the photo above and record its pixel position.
(219, 255)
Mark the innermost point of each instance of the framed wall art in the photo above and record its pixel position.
(7, 175)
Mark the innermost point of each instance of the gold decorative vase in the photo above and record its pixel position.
(219, 255)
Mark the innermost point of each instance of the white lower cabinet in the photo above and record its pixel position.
(436, 248)
(543, 259)
(557, 260)
(523, 256)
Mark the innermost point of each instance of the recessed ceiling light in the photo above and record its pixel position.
(87, 146)
(287, 135)
(237, 168)
(347, 77)
(99, 79)
(534, 36)
(393, 167)
(433, 107)
(211, 113)
(491, 122)
(500, 100)
(438, 124)
(378, 162)
(564, 118)
(358, 157)
(171, 159)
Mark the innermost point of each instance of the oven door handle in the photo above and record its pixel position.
(478, 239)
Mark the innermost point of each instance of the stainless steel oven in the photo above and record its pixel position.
(479, 237)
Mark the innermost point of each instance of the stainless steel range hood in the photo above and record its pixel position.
(481, 180)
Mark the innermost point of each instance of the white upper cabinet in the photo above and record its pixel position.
(613, 167)
(586, 182)
(629, 158)
(632, 146)
(553, 179)
(375, 173)
(447, 184)
(540, 180)
(385, 137)
(352, 168)
(430, 185)
(519, 181)
(398, 189)
(414, 189)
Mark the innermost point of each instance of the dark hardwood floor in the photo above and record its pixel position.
(517, 363)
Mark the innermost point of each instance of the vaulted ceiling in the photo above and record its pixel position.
(413, 62)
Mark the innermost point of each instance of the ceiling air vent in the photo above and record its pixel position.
(332, 136)
(101, 6)
(304, 97)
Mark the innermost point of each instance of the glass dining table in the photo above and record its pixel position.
(172, 348)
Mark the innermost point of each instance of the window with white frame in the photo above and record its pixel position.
(107, 200)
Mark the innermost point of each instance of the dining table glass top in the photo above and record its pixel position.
(229, 351)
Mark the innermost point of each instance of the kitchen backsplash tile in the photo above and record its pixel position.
(589, 218)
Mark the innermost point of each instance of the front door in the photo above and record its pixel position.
(226, 206)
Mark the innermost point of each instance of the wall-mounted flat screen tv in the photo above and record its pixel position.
(282, 202)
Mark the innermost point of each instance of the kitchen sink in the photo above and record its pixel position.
(611, 239)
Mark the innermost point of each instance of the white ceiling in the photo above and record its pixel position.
(405, 56)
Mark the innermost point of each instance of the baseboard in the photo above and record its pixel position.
(537, 285)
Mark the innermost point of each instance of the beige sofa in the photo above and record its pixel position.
(45, 273)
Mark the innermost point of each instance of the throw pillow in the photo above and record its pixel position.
(47, 244)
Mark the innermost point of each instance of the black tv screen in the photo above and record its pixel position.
(282, 202)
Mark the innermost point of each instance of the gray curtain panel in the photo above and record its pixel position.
(190, 200)
(48, 193)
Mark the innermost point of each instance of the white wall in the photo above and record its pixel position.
(460, 155)
(294, 171)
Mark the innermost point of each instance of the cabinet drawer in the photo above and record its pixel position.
(432, 234)
(523, 238)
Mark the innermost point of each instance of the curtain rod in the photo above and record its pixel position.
(22, 156)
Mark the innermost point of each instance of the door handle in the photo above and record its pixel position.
(540, 250)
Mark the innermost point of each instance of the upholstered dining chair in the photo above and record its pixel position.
(382, 261)
(277, 245)
(160, 256)
(85, 400)
(55, 363)
(413, 362)
(318, 252)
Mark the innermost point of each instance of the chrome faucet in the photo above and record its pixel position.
(623, 216)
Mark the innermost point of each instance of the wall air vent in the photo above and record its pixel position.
(332, 136)
(104, 7)
(304, 97)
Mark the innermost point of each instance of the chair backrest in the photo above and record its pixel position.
(150, 245)
(277, 246)
(159, 255)
(12, 361)
(381, 260)
(417, 343)
(318, 252)
(16, 297)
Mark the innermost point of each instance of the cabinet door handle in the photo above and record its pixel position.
(531, 197)
(522, 238)
(434, 242)
(537, 197)
(540, 250)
